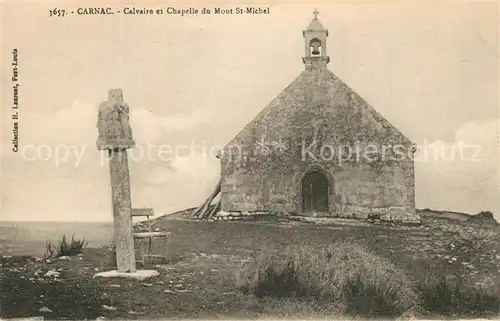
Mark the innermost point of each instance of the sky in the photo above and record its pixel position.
(193, 82)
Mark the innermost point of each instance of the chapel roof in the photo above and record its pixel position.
(346, 113)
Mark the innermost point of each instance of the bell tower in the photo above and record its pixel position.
(315, 44)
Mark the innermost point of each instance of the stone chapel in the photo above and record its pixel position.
(319, 149)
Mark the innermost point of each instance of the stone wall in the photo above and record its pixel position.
(393, 214)
(360, 188)
(236, 216)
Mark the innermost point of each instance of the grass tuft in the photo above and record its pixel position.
(65, 247)
(451, 296)
(345, 274)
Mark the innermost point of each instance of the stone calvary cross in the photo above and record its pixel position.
(115, 136)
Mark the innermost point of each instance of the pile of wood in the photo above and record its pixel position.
(205, 211)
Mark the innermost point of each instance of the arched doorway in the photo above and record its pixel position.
(315, 192)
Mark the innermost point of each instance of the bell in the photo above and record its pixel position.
(315, 48)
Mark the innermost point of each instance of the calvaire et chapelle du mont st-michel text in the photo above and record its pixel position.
(189, 11)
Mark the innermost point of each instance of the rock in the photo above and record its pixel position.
(344, 215)
(361, 215)
(134, 312)
(223, 214)
(52, 273)
(229, 293)
(108, 308)
(115, 286)
(100, 318)
(148, 284)
(168, 291)
(385, 217)
(178, 286)
(64, 258)
(6, 256)
(45, 309)
(140, 275)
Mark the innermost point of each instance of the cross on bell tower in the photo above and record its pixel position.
(315, 12)
(315, 44)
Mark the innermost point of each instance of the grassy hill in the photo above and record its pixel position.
(451, 267)
(484, 217)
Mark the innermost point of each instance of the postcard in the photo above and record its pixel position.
(250, 160)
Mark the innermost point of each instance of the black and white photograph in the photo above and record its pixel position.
(250, 160)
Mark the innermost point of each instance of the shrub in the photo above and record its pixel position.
(345, 274)
(65, 247)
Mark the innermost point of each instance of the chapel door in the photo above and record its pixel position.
(315, 192)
